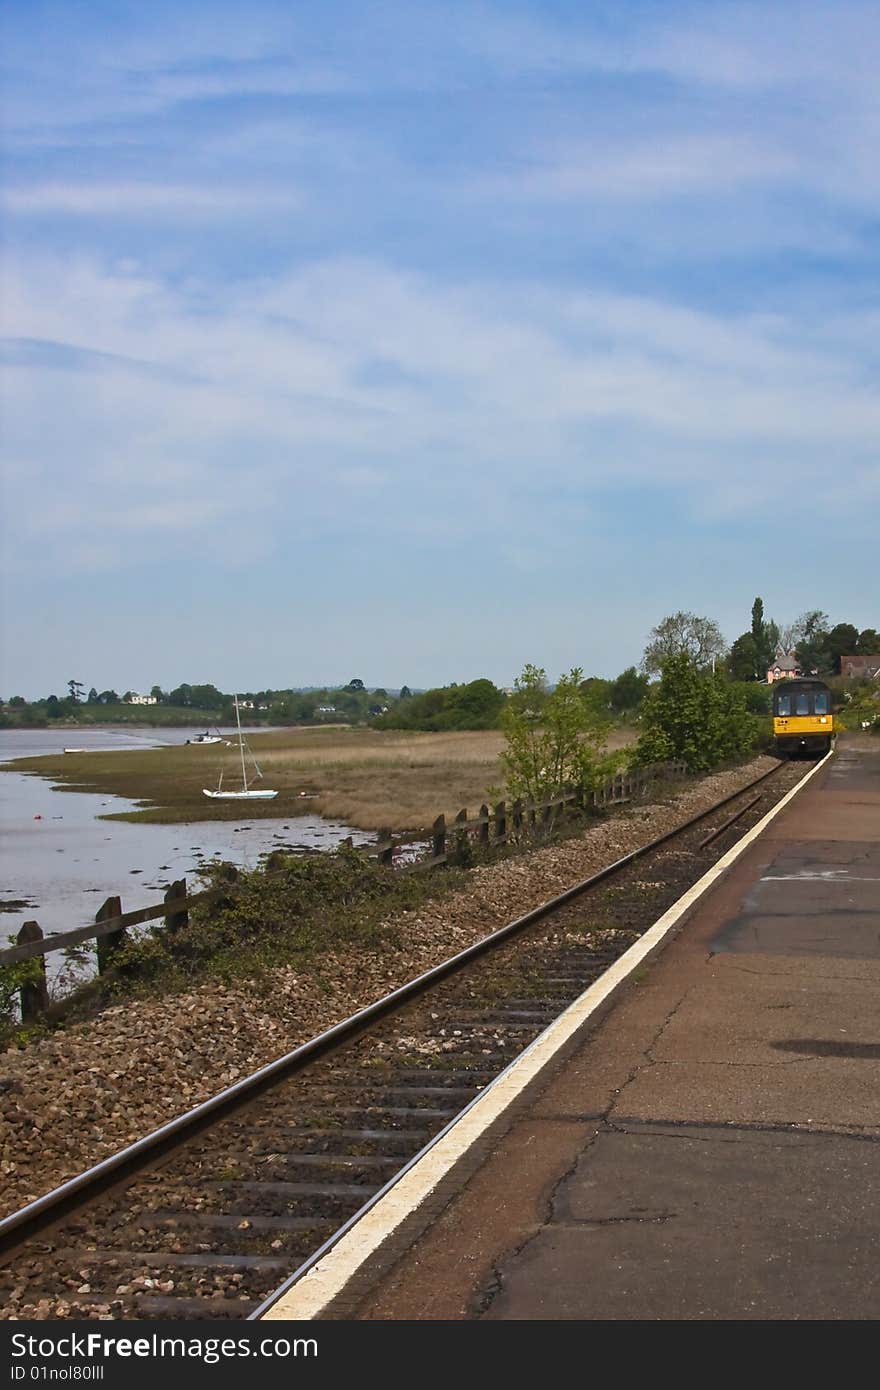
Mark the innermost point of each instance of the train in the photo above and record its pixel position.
(803, 717)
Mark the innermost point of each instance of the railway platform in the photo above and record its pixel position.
(705, 1147)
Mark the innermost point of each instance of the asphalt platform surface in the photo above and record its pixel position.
(711, 1148)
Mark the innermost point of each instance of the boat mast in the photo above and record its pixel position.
(240, 745)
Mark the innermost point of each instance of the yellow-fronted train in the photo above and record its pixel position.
(803, 721)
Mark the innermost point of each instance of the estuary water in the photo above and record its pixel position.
(58, 861)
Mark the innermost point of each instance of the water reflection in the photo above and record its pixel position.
(58, 862)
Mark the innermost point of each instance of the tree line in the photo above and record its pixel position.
(817, 646)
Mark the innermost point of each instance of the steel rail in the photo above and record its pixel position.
(725, 825)
(29, 1220)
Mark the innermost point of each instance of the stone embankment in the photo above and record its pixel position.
(70, 1099)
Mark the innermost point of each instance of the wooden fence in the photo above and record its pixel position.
(450, 843)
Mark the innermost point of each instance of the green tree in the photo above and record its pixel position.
(699, 639)
(552, 737)
(207, 697)
(93, 696)
(628, 691)
(474, 705)
(743, 661)
(765, 636)
(76, 689)
(810, 636)
(405, 693)
(292, 707)
(869, 642)
(696, 715)
(842, 640)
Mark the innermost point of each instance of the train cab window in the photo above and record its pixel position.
(783, 705)
(821, 702)
(802, 703)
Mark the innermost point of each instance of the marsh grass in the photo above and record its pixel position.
(368, 778)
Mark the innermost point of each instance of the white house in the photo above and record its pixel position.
(132, 698)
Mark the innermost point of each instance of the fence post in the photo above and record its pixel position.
(461, 844)
(176, 921)
(501, 821)
(438, 843)
(385, 848)
(483, 828)
(108, 945)
(517, 818)
(34, 997)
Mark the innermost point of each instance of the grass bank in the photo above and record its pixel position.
(368, 778)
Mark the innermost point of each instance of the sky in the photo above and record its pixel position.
(415, 342)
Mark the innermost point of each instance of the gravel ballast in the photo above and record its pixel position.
(73, 1098)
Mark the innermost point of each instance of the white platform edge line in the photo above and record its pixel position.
(326, 1280)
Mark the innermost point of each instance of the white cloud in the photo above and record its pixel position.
(187, 416)
(666, 166)
(146, 199)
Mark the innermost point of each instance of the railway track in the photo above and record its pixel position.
(205, 1217)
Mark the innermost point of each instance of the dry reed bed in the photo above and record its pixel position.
(369, 778)
(72, 1098)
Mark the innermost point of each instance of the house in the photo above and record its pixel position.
(863, 667)
(784, 667)
(132, 698)
(325, 709)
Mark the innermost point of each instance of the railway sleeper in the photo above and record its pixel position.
(154, 1306)
(257, 1161)
(188, 1221)
(158, 1260)
(246, 1235)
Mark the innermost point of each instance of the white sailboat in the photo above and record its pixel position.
(247, 793)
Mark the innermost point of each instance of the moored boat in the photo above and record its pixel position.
(247, 793)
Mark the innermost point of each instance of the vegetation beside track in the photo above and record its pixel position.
(313, 906)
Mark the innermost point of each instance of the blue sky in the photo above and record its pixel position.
(418, 341)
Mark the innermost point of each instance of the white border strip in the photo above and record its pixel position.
(311, 1294)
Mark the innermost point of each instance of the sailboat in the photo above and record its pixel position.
(247, 793)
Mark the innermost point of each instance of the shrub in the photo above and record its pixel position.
(698, 716)
(553, 736)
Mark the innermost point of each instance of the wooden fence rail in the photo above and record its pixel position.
(450, 844)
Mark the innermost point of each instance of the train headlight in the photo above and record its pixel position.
(822, 719)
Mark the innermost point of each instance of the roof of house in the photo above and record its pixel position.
(784, 661)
